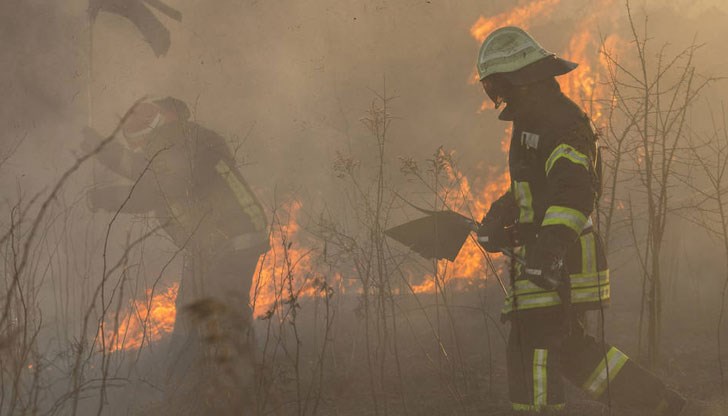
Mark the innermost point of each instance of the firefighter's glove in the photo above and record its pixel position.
(521, 233)
(493, 236)
(544, 269)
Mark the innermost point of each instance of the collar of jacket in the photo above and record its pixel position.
(527, 100)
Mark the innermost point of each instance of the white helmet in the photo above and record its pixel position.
(510, 49)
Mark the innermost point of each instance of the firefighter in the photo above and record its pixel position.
(546, 216)
(185, 176)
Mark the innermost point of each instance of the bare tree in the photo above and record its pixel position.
(711, 203)
(652, 99)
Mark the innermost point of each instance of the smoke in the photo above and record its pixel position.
(289, 81)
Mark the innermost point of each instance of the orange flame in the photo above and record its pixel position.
(584, 84)
(285, 260)
(143, 321)
(288, 259)
(518, 16)
(468, 270)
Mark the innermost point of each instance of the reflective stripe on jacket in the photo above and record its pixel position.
(552, 163)
(588, 278)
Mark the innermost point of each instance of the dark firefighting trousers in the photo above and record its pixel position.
(548, 346)
(211, 360)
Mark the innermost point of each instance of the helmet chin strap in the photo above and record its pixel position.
(497, 100)
(495, 90)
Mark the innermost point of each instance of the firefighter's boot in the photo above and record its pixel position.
(608, 375)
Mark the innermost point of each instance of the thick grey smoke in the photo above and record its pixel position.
(288, 82)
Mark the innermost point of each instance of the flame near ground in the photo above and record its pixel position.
(150, 319)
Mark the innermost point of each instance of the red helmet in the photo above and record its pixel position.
(149, 115)
(144, 118)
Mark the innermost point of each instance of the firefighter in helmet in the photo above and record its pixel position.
(545, 218)
(185, 177)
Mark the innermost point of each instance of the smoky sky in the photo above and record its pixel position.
(288, 81)
(291, 79)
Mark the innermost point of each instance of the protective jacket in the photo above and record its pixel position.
(554, 169)
(187, 178)
(554, 184)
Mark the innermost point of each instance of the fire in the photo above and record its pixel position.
(521, 16)
(584, 84)
(144, 321)
(283, 268)
(288, 269)
(468, 270)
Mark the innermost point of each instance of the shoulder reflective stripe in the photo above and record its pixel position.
(597, 382)
(565, 151)
(243, 195)
(549, 408)
(566, 216)
(524, 199)
(540, 375)
(588, 253)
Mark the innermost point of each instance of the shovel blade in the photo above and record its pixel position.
(440, 235)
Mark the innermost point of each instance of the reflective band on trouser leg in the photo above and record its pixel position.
(524, 199)
(566, 216)
(567, 152)
(540, 375)
(540, 387)
(597, 382)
